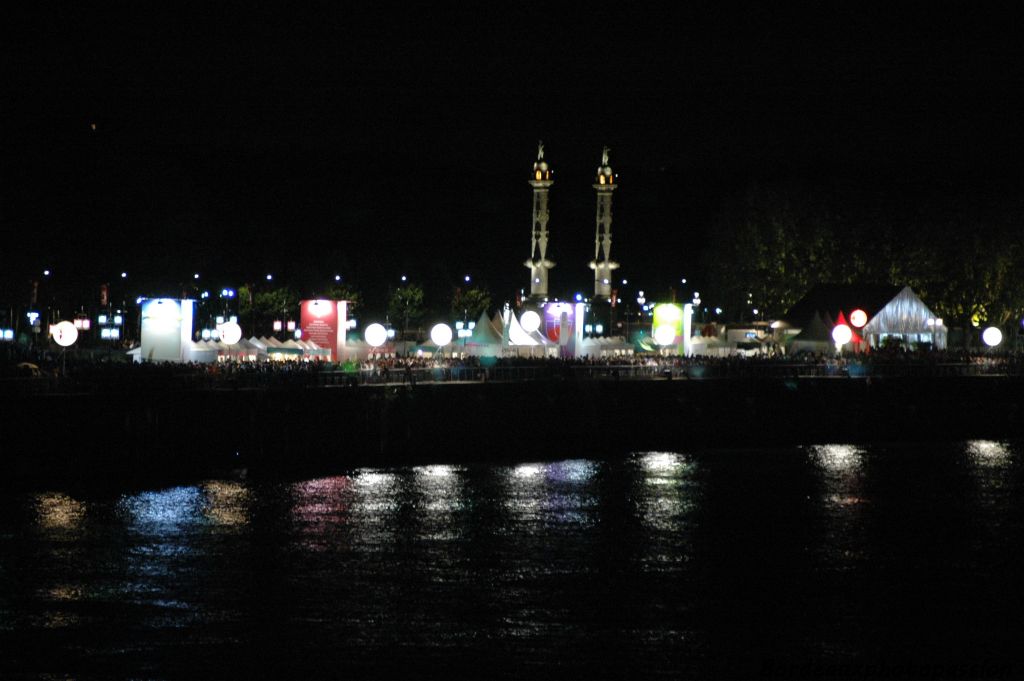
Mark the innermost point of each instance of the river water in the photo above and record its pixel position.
(830, 560)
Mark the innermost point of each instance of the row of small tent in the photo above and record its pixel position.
(495, 336)
(251, 349)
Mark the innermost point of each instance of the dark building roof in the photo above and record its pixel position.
(830, 299)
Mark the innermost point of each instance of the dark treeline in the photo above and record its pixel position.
(963, 253)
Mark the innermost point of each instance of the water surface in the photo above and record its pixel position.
(776, 563)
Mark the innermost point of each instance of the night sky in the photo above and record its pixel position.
(236, 143)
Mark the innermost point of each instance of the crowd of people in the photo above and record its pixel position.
(69, 370)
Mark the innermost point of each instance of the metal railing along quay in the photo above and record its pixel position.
(128, 379)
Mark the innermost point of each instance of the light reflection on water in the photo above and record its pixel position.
(55, 511)
(842, 466)
(669, 491)
(636, 562)
(163, 512)
(988, 453)
(551, 494)
(437, 500)
(226, 503)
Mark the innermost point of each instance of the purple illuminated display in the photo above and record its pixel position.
(553, 313)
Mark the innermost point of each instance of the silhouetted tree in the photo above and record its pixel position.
(470, 303)
(406, 306)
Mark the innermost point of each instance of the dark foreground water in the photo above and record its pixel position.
(836, 560)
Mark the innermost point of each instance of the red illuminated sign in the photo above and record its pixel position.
(323, 322)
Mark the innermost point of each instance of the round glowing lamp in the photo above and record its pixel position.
(230, 333)
(530, 321)
(992, 336)
(441, 335)
(842, 334)
(376, 335)
(858, 318)
(665, 334)
(64, 334)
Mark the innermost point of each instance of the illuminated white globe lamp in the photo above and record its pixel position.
(530, 321)
(858, 318)
(992, 336)
(230, 333)
(842, 334)
(376, 335)
(665, 334)
(441, 335)
(64, 334)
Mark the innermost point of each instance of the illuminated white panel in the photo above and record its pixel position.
(580, 314)
(342, 323)
(162, 330)
(688, 329)
(187, 310)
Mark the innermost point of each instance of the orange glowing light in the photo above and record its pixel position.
(858, 318)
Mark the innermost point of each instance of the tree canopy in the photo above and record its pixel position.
(964, 256)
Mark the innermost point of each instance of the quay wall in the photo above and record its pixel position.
(151, 431)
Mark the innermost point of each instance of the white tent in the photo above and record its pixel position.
(199, 351)
(610, 346)
(816, 337)
(485, 340)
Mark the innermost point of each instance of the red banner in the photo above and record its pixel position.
(323, 323)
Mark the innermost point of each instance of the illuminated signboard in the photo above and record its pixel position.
(166, 329)
(559, 321)
(667, 324)
(324, 322)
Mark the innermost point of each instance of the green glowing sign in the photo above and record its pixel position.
(668, 323)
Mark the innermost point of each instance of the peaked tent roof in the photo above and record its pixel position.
(484, 332)
(830, 299)
(815, 331)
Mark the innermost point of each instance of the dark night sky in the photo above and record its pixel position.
(374, 145)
